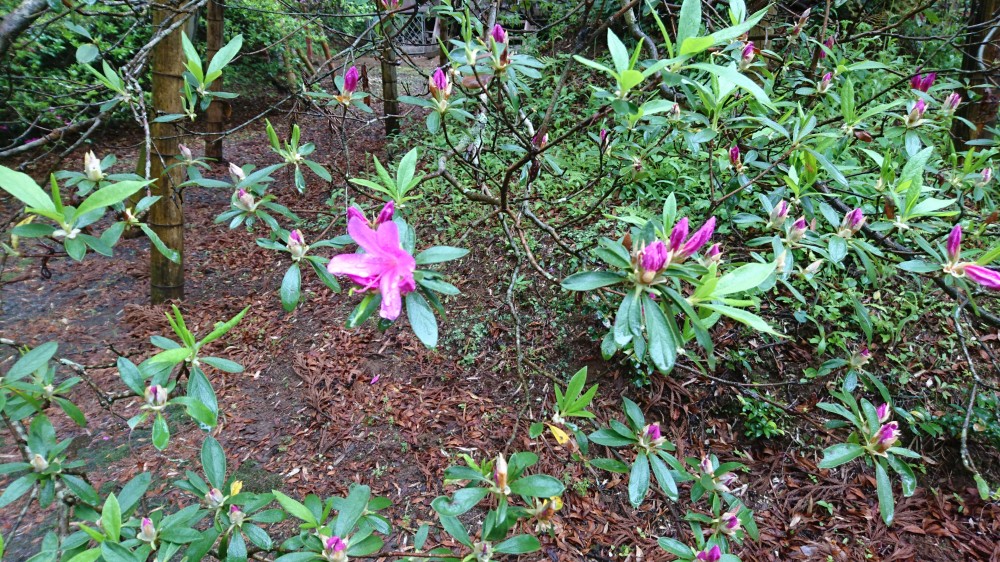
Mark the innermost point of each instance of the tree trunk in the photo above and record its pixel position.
(390, 92)
(981, 111)
(215, 21)
(166, 217)
(14, 23)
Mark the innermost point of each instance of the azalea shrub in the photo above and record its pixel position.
(697, 176)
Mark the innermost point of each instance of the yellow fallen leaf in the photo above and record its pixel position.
(561, 437)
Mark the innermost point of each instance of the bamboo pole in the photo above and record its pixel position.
(214, 23)
(166, 217)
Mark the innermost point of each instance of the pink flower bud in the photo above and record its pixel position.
(652, 432)
(954, 244)
(214, 498)
(746, 56)
(499, 34)
(986, 175)
(147, 532)
(798, 231)
(296, 245)
(824, 84)
(916, 115)
(652, 259)
(734, 155)
(350, 81)
(886, 436)
(828, 43)
(185, 152)
(852, 223)
(245, 201)
(923, 83)
(729, 523)
(713, 255)
(540, 141)
(678, 234)
(500, 474)
(440, 85)
(951, 103)
(156, 396)
(713, 554)
(983, 276)
(385, 215)
(706, 465)
(778, 214)
(883, 412)
(697, 240)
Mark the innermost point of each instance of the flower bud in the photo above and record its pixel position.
(334, 549)
(389, 5)
(954, 244)
(951, 103)
(237, 173)
(886, 437)
(746, 55)
(440, 87)
(852, 223)
(828, 43)
(296, 245)
(385, 215)
(922, 82)
(824, 84)
(706, 465)
(729, 523)
(500, 474)
(883, 412)
(798, 230)
(652, 432)
(984, 276)
(156, 396)
(214, 498)
(985, 176)
(185, 152)
(734, 156)
(713, 255)
(245, 201)
(713, 554)
(652, 260)
(499, 34)
(813, 268)
(916, 115)
(695, 242)
(92, 167)
(540, 141)
(350, 82)
(236, 515)
(147, 532)
(778, 214)
(726, 482)
(483, 551)
(860, 358)
(605, 140)
(38, 463)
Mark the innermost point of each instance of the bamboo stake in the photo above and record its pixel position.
(215, 23)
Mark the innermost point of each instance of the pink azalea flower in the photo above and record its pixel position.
(984, 276)
(954, 245)
(712, 555)
(350, 81)
(384, 265)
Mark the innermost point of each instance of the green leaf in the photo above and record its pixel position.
(689, 22)
(354, 506)
(839, 454)
(537, 486)
(743, 278)
(109, 195)
(461, 501)
(161, 433)
(213, 462)
(32, 361)
(86, 53)
(17, 488)
(675, 547)
(662, 346)
(439, 254)
(291, 288)
(610, 465)
(742, 316)
(24, 189)
(294, 508)
(223, 57)
(519, 544)
(223, 328)
(619, 54)
(590, 280)
(731, 74)
(237, 550)
(695, 45)
(906, 476)
(171, 356)
(886, 503)
(201, 391)
(111, 518)
(663, 477)
(154, 238)
(422, 319)
(638, 480)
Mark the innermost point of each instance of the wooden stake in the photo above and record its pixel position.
(215, 23)
(166, 217)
